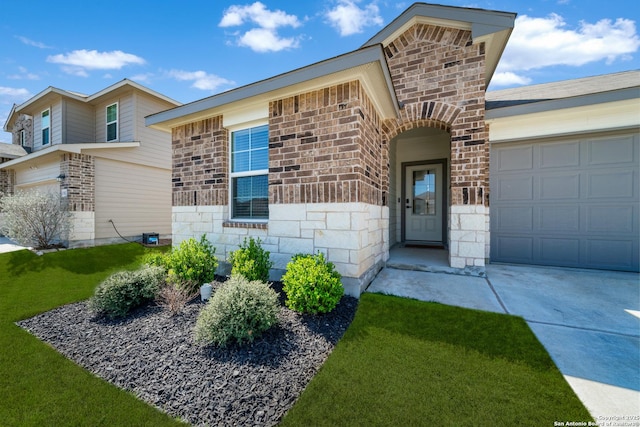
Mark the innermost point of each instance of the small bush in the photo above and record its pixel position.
(311, 284)
(238, 311)
(125, 290)
(35, 218)
(251, 261)
(190, 265)
(173, 298)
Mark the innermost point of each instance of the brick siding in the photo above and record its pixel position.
(438, 75)
(324, 148)
(200, 163)
(79, 170)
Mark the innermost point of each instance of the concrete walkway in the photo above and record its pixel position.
(7, 245)
(588, 320)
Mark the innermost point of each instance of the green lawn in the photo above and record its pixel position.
(401, 362)
(408, 363)
(39, 387)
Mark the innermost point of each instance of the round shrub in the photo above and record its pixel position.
(125, 290)
(251, 261)
(312, 284)
(238, 311)
(191, 264)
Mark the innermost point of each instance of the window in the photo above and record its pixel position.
(112, 122)
(23, 137)
(46, 127)
(249, 173)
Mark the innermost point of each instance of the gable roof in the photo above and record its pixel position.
(563, 94)
(97, 97)
(487, 26)
(11, 151)
(367, 64)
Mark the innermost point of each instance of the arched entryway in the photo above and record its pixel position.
(419, 160)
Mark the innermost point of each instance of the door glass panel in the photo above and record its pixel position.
(424, 192)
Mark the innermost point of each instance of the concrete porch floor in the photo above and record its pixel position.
(428, 259)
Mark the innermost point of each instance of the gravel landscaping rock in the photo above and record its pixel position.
(153, 355)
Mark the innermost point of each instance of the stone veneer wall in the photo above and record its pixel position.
(438, 75)
(23, 122)
(325, 183)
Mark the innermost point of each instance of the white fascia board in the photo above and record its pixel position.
(591, 118)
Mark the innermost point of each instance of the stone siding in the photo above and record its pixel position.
(354, 236)
(23, 122)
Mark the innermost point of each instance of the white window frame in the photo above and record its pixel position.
(22, 137)
(42, 128)
(233, 175)
(116, 122)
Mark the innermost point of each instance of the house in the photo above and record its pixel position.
(97, 152)
(391, 144)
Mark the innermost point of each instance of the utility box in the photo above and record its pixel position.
(150, 238)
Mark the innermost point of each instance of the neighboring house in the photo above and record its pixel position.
(97, 152)
(386, 145)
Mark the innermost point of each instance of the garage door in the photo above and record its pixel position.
(571, 203)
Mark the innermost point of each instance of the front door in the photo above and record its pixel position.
(424, 198)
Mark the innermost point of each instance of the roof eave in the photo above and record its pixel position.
(562, 103)
(68, 148)
(491, 27)
(278, 85)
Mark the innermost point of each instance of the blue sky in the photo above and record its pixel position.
(191, 49)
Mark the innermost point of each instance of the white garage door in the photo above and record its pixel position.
(571, 203)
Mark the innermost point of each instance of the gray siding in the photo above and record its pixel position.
(79, 122)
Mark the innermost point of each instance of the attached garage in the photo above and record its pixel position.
(565, 174)
(570, 203)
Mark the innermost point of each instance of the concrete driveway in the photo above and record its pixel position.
(588, 320)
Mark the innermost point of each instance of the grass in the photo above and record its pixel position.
(39, 386)
(401, 362)
(405, 362)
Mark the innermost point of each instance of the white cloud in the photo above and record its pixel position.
(348, 18)
(201, 80)
(545, 42)
(23, 74)
(508, 78)
(30, 42)
(264, 36)
(14, 93)
(78, 62)
(144, 77)
(265, 40)
(257, 13)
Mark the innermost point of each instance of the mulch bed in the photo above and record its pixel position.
(152, 354)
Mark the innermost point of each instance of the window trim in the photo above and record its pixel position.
(116, 122)
(22, 137)
(257, 172)
(42, 128)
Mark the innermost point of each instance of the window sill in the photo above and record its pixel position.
(246, 224)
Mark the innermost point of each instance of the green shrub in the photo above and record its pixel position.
(312, 284)
(251, 261)
(191, 264)
(239, 311)
(125, 290)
